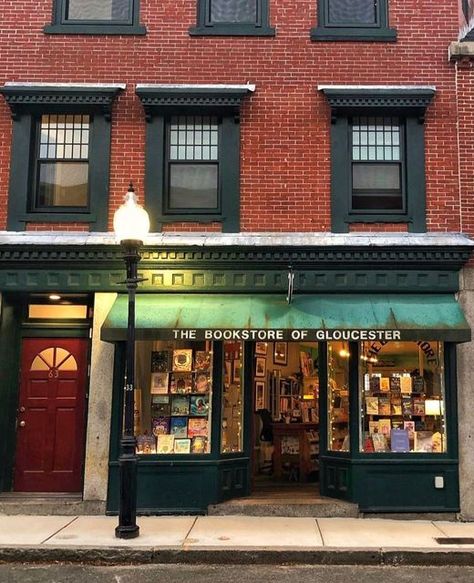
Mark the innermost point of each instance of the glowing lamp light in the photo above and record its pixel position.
(131, 221)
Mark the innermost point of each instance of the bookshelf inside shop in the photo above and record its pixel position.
(402, 402)
(288, 414)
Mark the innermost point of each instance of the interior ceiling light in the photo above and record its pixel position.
(54, 297)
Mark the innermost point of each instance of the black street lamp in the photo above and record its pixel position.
(131, 225)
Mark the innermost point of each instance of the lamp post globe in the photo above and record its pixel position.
(131, 225)
(131, 221)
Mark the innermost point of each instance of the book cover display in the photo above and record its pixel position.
(401, 412)
(180, 393)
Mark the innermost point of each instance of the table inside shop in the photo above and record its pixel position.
(298, 431)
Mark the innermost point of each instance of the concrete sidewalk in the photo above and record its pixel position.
(236, 539)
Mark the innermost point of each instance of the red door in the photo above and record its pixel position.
(51, 420)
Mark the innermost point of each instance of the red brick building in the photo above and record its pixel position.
(328, 146)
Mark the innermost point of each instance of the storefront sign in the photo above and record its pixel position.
(288, 335)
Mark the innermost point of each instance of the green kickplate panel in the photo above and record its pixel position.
(181, 487)
(410, 317)
(408, 487)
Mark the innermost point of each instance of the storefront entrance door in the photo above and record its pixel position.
(50, 423)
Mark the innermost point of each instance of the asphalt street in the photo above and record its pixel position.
(21, 573)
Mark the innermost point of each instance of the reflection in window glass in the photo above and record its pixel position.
(232, 399)
(402, 397)
(352, 12)
(108, 10)
(173, 397)
(338, 396)
(233, 11)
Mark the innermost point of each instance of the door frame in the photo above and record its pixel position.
(14, 327)
(74, 332)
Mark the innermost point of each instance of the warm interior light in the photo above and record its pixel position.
(344, 353)
(131, 221)
(432, 407)
(54, 297)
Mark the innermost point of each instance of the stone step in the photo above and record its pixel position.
(317, 508)
(36, 506)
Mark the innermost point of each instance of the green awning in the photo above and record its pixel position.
(309, 317)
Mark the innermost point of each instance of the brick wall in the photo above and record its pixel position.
(285, 182)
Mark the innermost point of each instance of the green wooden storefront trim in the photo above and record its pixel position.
(9, 380)
(27, 103)
(162, 101)
(185, 484)
(97, 29)
(82, 268)
(237, 281)
(410, 103)
(398, 482)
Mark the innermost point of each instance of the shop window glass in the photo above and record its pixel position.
(173, 397)
(232, 399)
(402, 397)
(338, 396)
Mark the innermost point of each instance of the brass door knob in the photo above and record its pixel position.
(22, 423)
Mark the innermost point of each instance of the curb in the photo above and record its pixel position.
(240, 556)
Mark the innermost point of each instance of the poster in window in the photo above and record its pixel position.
(260, 366)
(200, 405)
(261, 348)
(165, 444)
(197, 427)
(159, 383)
(181, 383)
(202, 360)
(198, 444)
(183, 360)
(259, 395)
(202, 382)
(179, 427)
(182, 446)
(179, 405)
(280, 353)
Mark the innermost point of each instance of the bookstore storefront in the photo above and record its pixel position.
(370, 381)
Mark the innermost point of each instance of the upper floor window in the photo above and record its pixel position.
(192, 164)
(365, 20)
(62, 163)
(233, 17)
(378, 155)
(378, 166)
(60, 155)
(96, 17)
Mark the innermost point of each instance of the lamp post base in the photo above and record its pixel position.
(127, 532)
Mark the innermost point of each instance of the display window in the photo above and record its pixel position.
(232, 399)
(338, 396)
(402, 397)
(173, 397)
